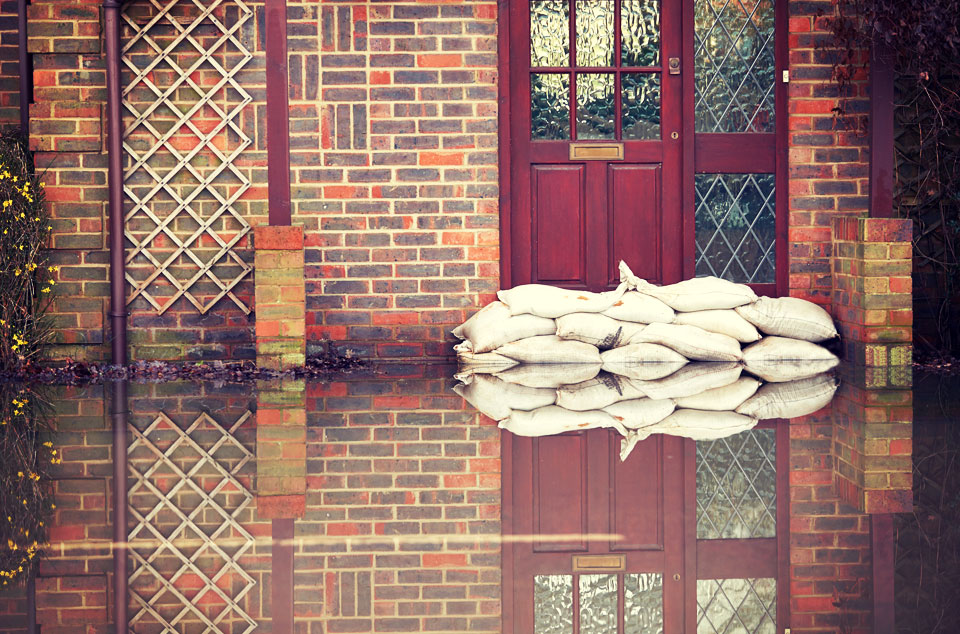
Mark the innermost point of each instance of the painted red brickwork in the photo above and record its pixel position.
(828, 155)
(9, 65)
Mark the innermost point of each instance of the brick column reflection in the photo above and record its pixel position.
(281, 449)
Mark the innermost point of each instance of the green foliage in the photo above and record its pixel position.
(26, 278)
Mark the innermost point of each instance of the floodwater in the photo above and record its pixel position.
(385, 502)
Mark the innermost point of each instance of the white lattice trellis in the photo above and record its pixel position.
(175, 31)
(208, 562)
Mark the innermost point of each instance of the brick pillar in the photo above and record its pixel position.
(281, 449)
(280, 297)
(872, 289)
(873, 442)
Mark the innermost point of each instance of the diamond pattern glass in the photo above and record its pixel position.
(737, 605)
(640, 33)
(553, 604)
(549, 106)
(549, 33)
(736, 227)
(643, 603)
(595, 33)
(737, 486)
(734, 62)
(596, 111)
(598, 604)
(640, 105)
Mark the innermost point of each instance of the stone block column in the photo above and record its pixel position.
(281, 484)
(872, 289)
(280, 297)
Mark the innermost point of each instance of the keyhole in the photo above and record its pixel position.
(674, 135)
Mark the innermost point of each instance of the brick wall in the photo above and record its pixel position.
(828, 156)
(394, 158)
(9, 65)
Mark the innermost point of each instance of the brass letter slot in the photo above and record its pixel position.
(602, 563)
(596, 151)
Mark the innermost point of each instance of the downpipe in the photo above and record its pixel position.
(118, 304)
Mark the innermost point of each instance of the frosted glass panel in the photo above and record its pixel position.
(549, 106)
(549, 33)
(643, 603)
(747, 606)
(640, 105)
(596, 111)
(553, 604)
(595, 33)
(598, 604)
(640, 33)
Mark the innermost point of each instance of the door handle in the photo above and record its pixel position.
(673, 65)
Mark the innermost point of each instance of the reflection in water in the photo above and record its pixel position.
(405, 516)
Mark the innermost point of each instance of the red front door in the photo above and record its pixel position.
(596, 136)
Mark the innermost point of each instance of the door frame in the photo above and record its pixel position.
(688, 263)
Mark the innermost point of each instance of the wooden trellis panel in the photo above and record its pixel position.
(186, 541)
(182, 143)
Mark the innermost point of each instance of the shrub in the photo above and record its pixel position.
(26, 278)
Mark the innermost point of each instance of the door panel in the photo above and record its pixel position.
(636, 499)
(559, 217)
(560, 505)
(634, 212)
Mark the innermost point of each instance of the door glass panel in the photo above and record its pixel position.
(737, 486)
(549, 106)
(598, 604)
(736, 227)
(549, 33)
(640, 105)
(595, 33)
(595, 106)
(640, 33)
(734, 60)
(553, 604)
(643, 603)
(737, 605)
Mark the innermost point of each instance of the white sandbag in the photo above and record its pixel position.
(551, 375)
(643, 371)
(723, 322)
(703, 425)
(699, 293)
(719, 399)
(497, 398)
(644, 361)
(550, 301)
(640, 412)
(494, 326)
(691, 379)
(488, 362)
(550, 420)
(791, 399)
(550, 349)
(778, 359)
(597, 330)
(628, 442)
(692, 342)
(790, 317)
(639, 308)
(596, 393)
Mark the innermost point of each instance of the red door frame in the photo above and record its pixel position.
(778, 159)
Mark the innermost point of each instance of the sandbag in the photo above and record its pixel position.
(639, 308)
(551, 375)
(488, 362)
(791, 399)
(643, 371)
(494, 326)
(778, 359)
(691, 379)
(692, 342)
(597, 330)
(644, 361)
(723, 322)
(719, 399)
(703, 425)
(550, 420)
(497, 398)
(640, 412)
(550, 301)
(790, 317)
(628, 442)
(550, 349)
(699, 293)
(596, 393)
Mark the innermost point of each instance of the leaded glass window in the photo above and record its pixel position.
(737, 605)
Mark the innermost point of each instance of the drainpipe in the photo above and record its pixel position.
(26, 74)
(118, 299)
(120, 555)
